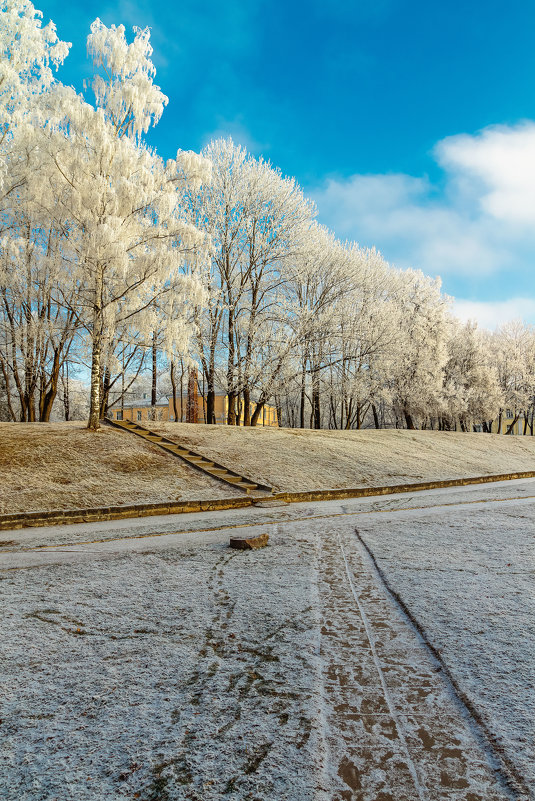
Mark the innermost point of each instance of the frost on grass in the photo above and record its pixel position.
(300, 459)
(178, 674)
(469, 581)
(65, 466)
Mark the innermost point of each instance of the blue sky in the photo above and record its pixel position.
(408, 122)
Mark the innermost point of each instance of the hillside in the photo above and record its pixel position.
(64, 466)
(294, 459)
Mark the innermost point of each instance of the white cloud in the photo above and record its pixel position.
(492, 314)
(502, 162)
(478, 221)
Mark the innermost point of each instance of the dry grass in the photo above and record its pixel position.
(294, 460)
(65, 466)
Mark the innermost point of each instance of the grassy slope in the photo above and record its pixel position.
(62, 465)
(291, 459)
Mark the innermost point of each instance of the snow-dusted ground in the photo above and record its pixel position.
(468, 578)
(178, 672)
(144, 659)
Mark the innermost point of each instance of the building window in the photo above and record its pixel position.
(119, 415)
(509, 414)
(139, 415)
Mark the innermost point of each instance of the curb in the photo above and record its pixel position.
(65, 516)
(393, 489)
(62, 517)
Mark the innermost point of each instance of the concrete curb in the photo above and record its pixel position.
(365, 492)
(19, 520)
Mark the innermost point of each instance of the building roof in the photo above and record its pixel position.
(140, 405)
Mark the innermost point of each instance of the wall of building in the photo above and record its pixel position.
(507, 419)
(139, 414)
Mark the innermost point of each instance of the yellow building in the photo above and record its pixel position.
(508, 418)
(142, 411)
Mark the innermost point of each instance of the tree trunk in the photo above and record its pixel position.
(173, 384)
(246, 407)
(96, 352)
(46, 403)
(154, 374)
(66, 400)
(8, 390)
(512, 425)
(303, 394)
(94, 399)
(332, 422)
(105, 394)
(256, 414)
(316, 399)
(210, 402)
(375, 416)
(278, 407)
(409, 420)
(231, 390)
(181, 390)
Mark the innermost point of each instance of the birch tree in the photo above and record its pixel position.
(126, 236)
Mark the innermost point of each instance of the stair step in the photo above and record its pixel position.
(196, 460)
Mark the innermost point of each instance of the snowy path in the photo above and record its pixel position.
(142, 659)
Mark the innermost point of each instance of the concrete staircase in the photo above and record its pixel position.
(197, 460)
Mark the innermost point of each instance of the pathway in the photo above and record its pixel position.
(295, 673)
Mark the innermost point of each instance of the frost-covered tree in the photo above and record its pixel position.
(35, 331)
(28, 53)
(320, 279)
(126, 241)
(471, 393)
(514, 352)
(93, 232)
(256, 220)
(365, 335)
(419, 352)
